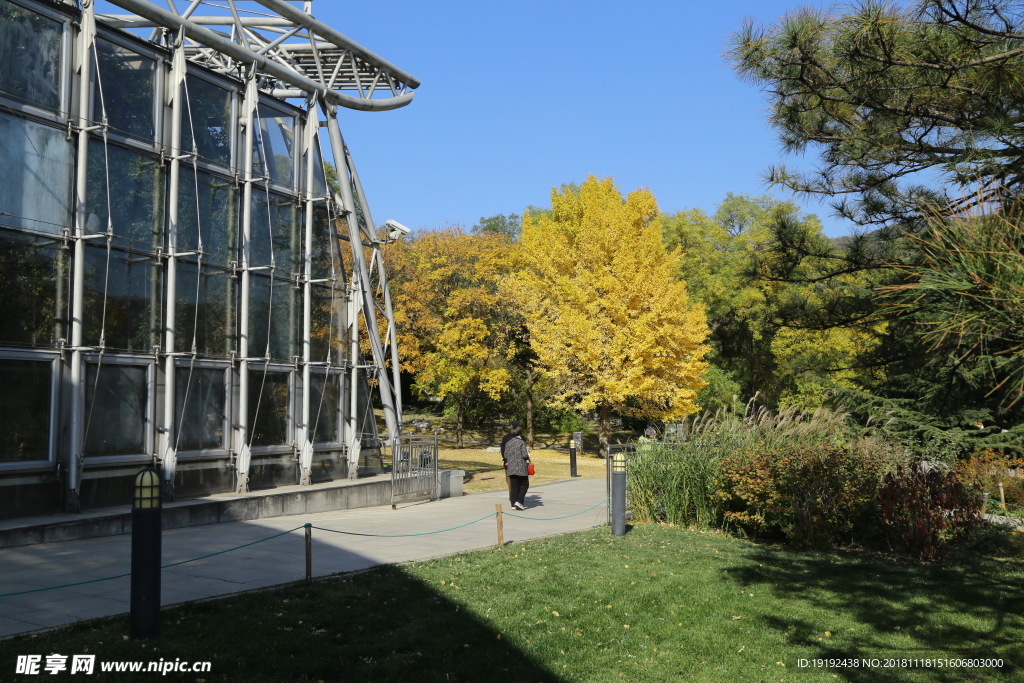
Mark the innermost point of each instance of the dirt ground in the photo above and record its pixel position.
(484, 471)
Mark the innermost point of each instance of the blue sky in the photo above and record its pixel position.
(521, 97)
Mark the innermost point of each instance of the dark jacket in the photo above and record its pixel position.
(504, 440)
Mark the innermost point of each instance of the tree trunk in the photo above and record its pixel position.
(606, 427)
(531, 377)
(458, 422)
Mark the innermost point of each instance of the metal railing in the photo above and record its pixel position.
(413, 468)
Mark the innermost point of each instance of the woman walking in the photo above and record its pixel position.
(517, 457)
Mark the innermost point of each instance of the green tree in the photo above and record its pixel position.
(509, 226)
(908, 104)
(915, 112)
(759, 345)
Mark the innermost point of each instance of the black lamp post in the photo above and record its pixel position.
(146, 545)
(618, 462)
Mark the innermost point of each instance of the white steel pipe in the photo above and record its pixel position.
(167, 441)
(389, 312)
(242, 448)
(306, 437)
(76, 446)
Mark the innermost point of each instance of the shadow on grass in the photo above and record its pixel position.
(900, 611)
(380, 625)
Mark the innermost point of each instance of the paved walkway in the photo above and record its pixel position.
(279, 560)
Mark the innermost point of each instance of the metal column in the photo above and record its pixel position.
(353, 439)
(304, 435)
(242, 450)
(167, 450)
(75, 381)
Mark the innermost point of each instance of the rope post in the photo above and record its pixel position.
(309, 551)
(1002, 496)
(501, 530)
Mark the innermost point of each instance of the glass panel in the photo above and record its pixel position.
(133, 300)
(202, 426)
(33, 289)
(218, 216)
(324, 397)
(213, 324)
(127, 79)
(365, 420)
(25, 413)
(327, 323)
(319, 181)
(115, 409)
(30, 47)
(284, 316)
(272, 146)
(325, 246)
(210, 120)
(274, 229)
(36, 193)
(268, 407)
(136, 196)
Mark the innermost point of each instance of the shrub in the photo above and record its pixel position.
(928, 508)
(813, 494)
(989, 469)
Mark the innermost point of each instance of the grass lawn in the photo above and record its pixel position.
(660, 604)
(484, 471)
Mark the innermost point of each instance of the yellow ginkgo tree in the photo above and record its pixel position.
(608, 316)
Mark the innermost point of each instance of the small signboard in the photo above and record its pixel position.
(577, 440)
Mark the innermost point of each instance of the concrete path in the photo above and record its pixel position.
(279, 560)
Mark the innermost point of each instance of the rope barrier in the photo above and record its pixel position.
(173, 564)
(544, 519)
(422, 533)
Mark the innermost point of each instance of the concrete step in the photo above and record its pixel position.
(217, 508)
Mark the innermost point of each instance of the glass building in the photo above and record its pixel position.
(180, 283)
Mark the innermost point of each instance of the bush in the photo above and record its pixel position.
(674, 483)
(927, 509)
(816, 495)
(989, 469)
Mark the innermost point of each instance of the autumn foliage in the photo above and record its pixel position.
(451, 320)
(608, 317)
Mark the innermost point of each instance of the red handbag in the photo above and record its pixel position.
(530, 470)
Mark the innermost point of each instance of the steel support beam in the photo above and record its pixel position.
(167, 446)
(75, 377)
(304, 434)
(242, 437)
(353, 437)
(389, 313)
(263, 64)
(361, 273)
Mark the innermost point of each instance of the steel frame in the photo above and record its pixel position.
(286, 53)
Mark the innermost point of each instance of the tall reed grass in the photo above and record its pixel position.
(676, 481)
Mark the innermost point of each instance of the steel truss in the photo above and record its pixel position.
(280, 50)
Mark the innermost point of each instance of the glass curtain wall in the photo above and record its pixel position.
(125, 260)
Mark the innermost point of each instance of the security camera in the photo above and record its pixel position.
(396, 229)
